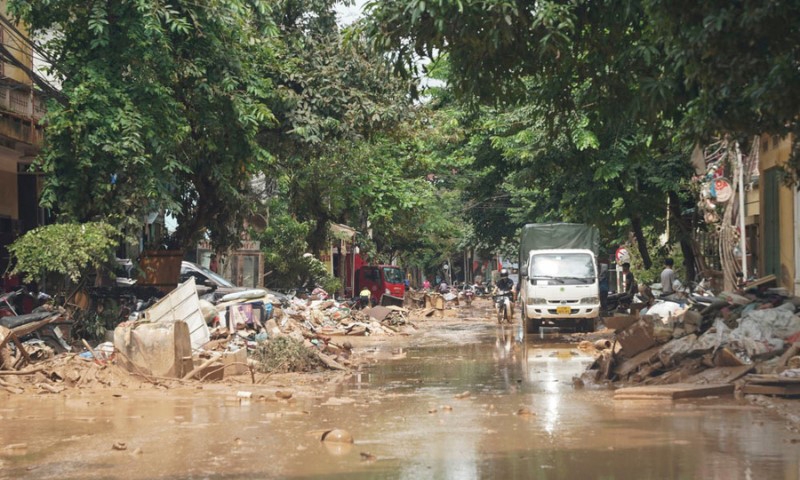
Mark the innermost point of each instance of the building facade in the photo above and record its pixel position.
(779, 208)
(21, 137)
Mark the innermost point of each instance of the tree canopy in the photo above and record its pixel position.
(163, 105)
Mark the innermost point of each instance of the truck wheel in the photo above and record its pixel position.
(587, 325)
(533, 325)
(591, 324)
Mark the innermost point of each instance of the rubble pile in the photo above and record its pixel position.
(181, 338)
(752, 339)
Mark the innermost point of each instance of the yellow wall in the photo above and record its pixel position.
(8, 186)
(775, 154)
(19, 49)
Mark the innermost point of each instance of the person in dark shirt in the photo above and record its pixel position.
(630, 283)
(505, 284)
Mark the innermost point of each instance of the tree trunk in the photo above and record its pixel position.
(689, 247)
(636, 224)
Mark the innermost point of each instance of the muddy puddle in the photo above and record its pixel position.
(486, 407)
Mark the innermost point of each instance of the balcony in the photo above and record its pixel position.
(20, 112)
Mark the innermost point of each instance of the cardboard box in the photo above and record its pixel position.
(235, 362)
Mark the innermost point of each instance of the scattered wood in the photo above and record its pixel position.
(788, 354)
(91, 350)
(763, 281)
(788, 390)
(756, 378)
(720, 374)
(632, 364)
(726, 358)
(330, 362)
(202, 366)
(22, 372)
(674, 391)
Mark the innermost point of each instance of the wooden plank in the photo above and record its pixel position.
(632, 364)
(782, 390)
(674, 391)
(762, 379)
(761, 281)
(720, 374)
(726, 358)
(789, 353)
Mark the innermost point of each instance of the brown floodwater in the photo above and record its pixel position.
(447, 408)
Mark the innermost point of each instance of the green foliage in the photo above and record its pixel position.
(163, 105)
(68, 249)
(585, 110)
(738, 58)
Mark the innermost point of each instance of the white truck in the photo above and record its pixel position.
(558, 276)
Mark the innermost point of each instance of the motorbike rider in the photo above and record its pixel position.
(505, 284)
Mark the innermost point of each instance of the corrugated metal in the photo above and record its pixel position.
(182, 304)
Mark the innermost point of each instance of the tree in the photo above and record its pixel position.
(584, 109)
(739, 60)
(163, 104)
(71, 250)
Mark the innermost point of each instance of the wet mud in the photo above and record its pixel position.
(466, 399)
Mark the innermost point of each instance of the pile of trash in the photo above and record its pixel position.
(181, 337)
(185, 337)
(752, 339)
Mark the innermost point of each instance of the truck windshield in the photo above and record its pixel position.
(569, 268)
(392, 275)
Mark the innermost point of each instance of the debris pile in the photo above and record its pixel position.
(181, 337)
(247, 331)
(706, 341)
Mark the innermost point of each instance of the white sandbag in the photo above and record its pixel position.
(244, 295)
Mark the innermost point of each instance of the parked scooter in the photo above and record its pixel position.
(618, 302)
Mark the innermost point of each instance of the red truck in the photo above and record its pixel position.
(385, 282)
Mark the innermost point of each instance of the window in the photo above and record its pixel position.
(392, 275)
(570, 268)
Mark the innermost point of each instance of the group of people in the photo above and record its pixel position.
(667, 279)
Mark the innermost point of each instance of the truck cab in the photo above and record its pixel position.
(385, 283)
(559, 284)
(561, 289)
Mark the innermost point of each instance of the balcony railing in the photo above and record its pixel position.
(20, 111)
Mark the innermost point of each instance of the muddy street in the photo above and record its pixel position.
(464, 400)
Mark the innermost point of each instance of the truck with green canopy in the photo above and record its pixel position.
(558, 276)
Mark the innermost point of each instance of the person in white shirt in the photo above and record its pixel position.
(667, 278)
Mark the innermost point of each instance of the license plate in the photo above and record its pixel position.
(563, 310)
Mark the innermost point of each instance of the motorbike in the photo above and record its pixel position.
(48, 328)
(469, 295)
(502, 305)
(618, 302)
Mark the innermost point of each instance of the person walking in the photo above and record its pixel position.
(667, 278)
(630, 282)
